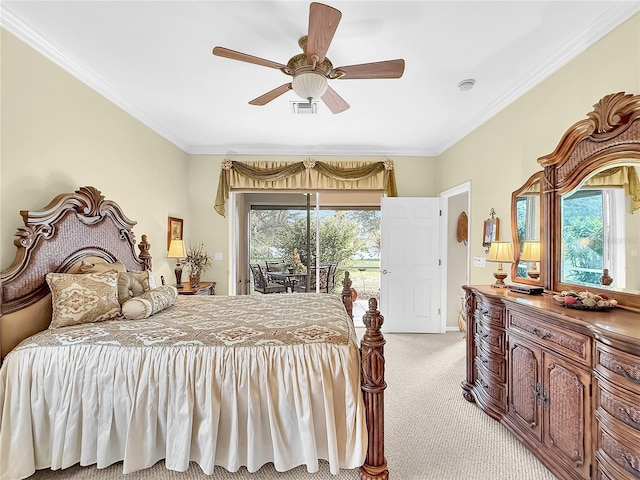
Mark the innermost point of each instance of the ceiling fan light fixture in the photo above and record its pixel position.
(309, 84)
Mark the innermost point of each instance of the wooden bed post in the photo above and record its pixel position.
(373, 386)
(347, 295)
(145, 256)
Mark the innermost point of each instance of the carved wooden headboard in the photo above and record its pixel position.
(72, 227)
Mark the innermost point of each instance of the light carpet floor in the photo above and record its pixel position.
(431, 432)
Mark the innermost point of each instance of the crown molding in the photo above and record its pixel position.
(66, 61)
(613, 18)
(305, 150)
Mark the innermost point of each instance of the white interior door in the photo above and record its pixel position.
(409, 265)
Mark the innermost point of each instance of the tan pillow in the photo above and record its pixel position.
(97, 267)
(150, 302)
(128, 287)
(83, 298)
(132, 284)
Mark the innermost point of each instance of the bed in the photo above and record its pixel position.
(217, 380)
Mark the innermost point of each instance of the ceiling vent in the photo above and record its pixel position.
(304, 108)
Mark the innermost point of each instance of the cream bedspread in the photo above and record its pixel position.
(226, 381)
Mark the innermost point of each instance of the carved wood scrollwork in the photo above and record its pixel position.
(60, 234)
(609, 136)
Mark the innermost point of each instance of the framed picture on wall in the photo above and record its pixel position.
(174, 230)
(491, 231)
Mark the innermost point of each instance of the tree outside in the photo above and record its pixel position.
(350, 238)
(582, 238)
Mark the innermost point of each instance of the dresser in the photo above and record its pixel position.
(565, 382)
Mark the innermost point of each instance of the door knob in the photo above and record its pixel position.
(385, 271)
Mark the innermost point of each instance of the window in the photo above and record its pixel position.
(587, 248)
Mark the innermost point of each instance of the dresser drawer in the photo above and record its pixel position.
(609, 470)
(566, 342)
(619, 452)
(618, 367)
(491, 387)
(491, 339)
(488, 313)
(618, 404)
(494, 363)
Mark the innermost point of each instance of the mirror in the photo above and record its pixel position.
(600, 229)
(590, 188)
(526, 221)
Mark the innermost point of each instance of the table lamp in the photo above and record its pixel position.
(177, 251)
(531, 253)
(500, 252)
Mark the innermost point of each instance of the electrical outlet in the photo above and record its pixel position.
(479, 262)
(217, 256)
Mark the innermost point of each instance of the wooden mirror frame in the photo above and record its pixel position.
(536, 177)
(609, 136)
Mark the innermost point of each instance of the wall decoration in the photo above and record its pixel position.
(174, 230)
(491, 230)
(462, 230)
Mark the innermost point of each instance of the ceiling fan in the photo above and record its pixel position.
(311, 69)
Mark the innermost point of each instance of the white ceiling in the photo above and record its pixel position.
(153, 59)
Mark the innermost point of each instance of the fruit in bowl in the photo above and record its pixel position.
(584, 300)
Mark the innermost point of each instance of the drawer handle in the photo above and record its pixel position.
(625, 373)
(484, 384)
(624, 457)
(541, 335)
(628, 419)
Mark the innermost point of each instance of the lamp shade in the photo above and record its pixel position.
(500, 252)
(309, 84)
(530, 252)
(176, 249)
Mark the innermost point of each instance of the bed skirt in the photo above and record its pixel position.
(100, 404)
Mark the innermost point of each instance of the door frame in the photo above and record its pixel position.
(444, 238)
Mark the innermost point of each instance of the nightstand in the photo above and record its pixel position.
(205, 288)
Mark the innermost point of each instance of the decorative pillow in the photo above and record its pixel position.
(150, 302)
(83, 298)
(132, 284)
(98, 267)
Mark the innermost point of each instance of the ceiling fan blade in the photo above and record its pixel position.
(244, 57)
(334, 101)
(272, 95)
(323, 22)
(385, 69)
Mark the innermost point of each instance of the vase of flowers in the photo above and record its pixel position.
(198, 261)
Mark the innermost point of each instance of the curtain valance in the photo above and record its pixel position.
(306, 175)
(620, 177)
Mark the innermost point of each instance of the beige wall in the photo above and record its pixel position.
(499, 156)
(58, 135)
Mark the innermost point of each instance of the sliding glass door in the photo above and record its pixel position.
(331, 229)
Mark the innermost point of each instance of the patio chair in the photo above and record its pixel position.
(331, 277)
(324, 281)
(261, 283)
(275, 266)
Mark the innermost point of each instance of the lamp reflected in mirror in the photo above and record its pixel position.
(500, 252)
(531, 254)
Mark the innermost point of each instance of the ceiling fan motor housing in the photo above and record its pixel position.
(309, 77)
